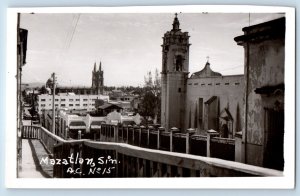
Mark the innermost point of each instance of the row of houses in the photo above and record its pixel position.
(68, 124)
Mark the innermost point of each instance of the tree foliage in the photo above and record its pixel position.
(148, 104)
(150, 98)
(43, 90)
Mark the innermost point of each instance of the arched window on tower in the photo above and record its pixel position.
(178, 63)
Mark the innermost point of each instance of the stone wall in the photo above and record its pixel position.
(229, 91)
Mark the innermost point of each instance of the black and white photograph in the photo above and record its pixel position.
(179, 94)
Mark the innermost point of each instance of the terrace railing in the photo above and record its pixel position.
(120, 158)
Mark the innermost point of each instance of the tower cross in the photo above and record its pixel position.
(207, 58)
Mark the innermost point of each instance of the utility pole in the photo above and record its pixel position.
(53, 103)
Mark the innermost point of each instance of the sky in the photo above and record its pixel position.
(127, 44)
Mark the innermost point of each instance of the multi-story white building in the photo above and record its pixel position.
(69, 101)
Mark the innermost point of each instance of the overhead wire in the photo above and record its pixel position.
(69, 38)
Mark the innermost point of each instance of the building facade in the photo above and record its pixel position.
(205, 100)
(70, 101)
(97, 80)
(214, 102)
(264, 46)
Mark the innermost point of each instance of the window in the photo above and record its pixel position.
(56, 99)
(217, 84)
(43, 105)
(202, 84)
(43, 99)
(178, 63)
(209, 84)
(56, 104)
(63, 104)
(50, 99)
(77, 99)
(179, 90)
(85, 104)
(63, 99)
(227, 83)
(77, 104)
(71, 100)
(190, 83)
(84, 99)
(237, 83)
(195, 83)
(70, 104)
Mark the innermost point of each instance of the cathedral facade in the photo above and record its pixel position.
(97, 80)
(96, 89)
(203, 101)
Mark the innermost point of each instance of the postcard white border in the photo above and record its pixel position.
(285, 182)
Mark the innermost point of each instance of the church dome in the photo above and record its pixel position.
(205, 72)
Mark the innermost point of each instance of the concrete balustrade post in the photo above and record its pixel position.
(109, 134)
(140, 135)
(39, 133)
(159, 131)
(79, 135)
(150, 129)
(238, 147)
(133, 131)
(158, 139)
(127, 130)
(67, 133)
(116, 133)
(210, 134)
(172, 131)
(122, 133)
(148, 137)
(100, 131)
(112, 131)
(103, 133)
(189, 133)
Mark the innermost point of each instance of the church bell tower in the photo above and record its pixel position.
(97, 80)
(175, 69)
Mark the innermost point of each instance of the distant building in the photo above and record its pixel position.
(96, 88)
(107, 108)
(97, 80)
(264, 46)
(70, 101)
(69, 124)
(206, 100)
(79, 90)
(116, 95)
(128, 101)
